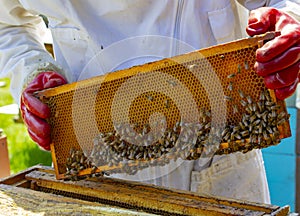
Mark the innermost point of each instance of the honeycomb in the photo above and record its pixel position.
(168, 91)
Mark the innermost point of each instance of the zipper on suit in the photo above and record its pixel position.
(176, 33)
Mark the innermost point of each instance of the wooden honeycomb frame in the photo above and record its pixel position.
(196, 71)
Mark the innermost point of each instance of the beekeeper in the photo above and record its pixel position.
(84, 29)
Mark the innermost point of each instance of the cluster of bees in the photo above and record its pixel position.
(156, 149)
(258, 127)
(76, 162)
(129, 151)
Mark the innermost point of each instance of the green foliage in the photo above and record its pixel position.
(5, 96)
(23, 152)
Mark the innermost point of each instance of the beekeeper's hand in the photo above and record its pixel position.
(34, 112)
(278, 60)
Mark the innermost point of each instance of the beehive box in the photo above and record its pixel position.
(36, 191)
(210, 101)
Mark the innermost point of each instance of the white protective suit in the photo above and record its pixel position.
(128, 32)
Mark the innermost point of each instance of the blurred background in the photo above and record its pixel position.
(22, 151)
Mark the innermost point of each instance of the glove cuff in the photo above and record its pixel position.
(42, 67)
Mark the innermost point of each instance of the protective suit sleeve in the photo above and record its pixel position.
(292, 7)
(22, 52)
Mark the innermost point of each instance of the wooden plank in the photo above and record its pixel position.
(298, 133)
(19, 177)
(297, 209)
(21, 201)
(282, 211)
(151, 198)
(4, 159)
(298, 162)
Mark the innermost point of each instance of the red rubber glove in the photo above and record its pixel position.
(34, 112)
(278, 61)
